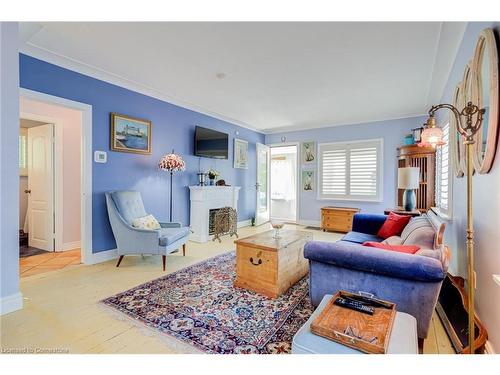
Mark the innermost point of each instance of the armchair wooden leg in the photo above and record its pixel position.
(164, 260)
(184, 250)
(119, 261)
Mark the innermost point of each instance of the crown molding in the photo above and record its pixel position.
(302, 127)
(62, 61)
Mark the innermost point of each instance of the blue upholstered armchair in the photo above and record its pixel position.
(412, 281)
(123, 208)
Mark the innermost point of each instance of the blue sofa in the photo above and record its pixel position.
(412, 281)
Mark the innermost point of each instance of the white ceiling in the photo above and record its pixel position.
(278, 76)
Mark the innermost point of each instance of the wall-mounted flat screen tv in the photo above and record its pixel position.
(210, 143)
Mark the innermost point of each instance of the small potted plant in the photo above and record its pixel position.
(212, 175)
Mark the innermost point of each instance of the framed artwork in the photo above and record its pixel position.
(308, 181)
(240, 153)
(129, 134)
(308, 152)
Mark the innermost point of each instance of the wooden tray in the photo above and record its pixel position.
(367, 333)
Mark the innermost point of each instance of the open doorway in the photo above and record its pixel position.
(284, 182)
(50, 149)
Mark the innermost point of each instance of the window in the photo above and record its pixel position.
(23, 162)
(351, 170)
(443, 174)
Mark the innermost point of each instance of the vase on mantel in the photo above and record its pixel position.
(212, 181)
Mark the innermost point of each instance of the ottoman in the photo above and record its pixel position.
(403, 337)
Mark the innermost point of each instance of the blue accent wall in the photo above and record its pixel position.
(173, 128)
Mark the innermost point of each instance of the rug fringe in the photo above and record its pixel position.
(177, 346)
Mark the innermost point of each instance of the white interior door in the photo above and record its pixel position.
(262, 185)
(41, 186)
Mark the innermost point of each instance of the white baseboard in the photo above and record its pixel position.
(244, 223)
(71, 245)
(102, 256)
(11, 303)
(488, 348)
(310, 223)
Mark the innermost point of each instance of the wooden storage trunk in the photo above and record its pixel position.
(337, 219)
(269, 266)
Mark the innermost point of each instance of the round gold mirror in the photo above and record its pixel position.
(456, 141)
(485, 95)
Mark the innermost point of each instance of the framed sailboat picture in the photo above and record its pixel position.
(130, 134)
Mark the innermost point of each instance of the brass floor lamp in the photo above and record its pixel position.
(469, 122)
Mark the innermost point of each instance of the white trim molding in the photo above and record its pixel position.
(244, 223)
(310, 223)
(102, 256)
(71, 245)
(86, 162)
(11, 303)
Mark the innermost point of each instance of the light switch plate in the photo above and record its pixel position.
(100, 156)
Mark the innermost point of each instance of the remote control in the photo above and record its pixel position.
(354, 305)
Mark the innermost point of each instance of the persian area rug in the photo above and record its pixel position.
(200, 306)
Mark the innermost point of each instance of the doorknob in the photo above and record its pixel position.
(28, 191)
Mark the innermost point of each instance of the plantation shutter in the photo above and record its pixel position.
(443, 172)
(350, 170)
(363, 171)
(334, 172)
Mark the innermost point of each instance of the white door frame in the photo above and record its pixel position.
(257, 186)
(86, 165)
(297, 175)
(58, 175)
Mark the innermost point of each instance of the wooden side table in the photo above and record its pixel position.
(337, 219)
(401, 211)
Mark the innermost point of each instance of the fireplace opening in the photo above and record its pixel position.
(211, 220)
(222, 221)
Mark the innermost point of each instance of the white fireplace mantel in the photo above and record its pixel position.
(205, 198)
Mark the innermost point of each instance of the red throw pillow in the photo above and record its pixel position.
(394, 225)
(408, 249)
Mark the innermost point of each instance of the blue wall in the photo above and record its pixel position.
(392, 132)
(173, 128)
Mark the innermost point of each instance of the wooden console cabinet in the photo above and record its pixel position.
(337, 219)
(423, 158)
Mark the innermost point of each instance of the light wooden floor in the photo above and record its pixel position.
(61, 310)
(42, 263)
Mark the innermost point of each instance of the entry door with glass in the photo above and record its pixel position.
(262, 184)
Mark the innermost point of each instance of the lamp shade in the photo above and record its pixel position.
(432, 134)
(172, 163)
(408, 178)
